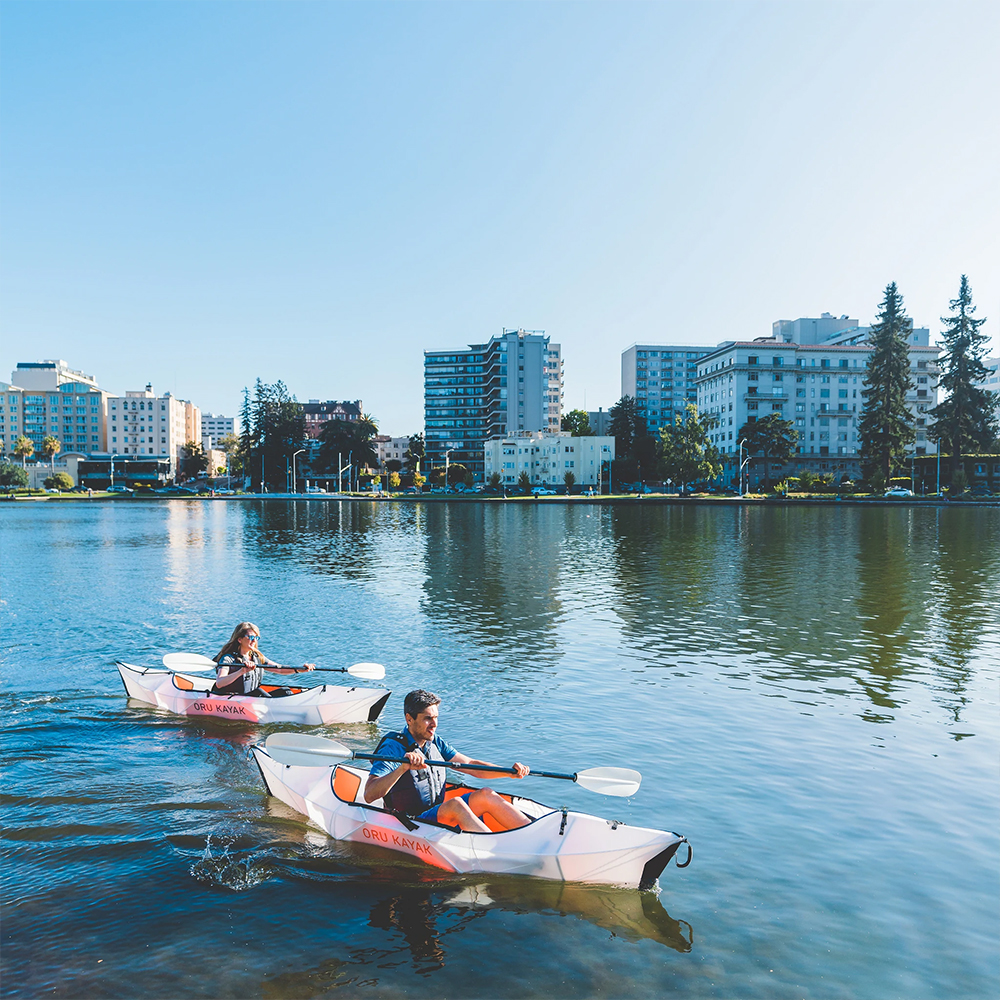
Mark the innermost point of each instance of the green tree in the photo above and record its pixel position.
(59, 481)
(646, 455)
(570, 480)
(24, 448)
(394, 465)
(524, 482)
(687, 454)
(806, 479)
(494, 481)
(886, 425)
(577, 422)
(964, 420)
(232, 446)
(626, 426)
(414, 454)
(51, 446)
(194, 461)
(772, 438)
(354, 438)
(273, 428)
(11, 477)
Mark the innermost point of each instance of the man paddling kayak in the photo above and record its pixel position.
(240, 663)
(413, 788)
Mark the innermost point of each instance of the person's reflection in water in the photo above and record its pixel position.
(412, 913)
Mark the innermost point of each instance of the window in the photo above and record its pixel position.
(843, 362)
(825, 363)
(752, 360)
(777, 362)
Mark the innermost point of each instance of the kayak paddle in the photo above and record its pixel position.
(195, 662)
(317, 751)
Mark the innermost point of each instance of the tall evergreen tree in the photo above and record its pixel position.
(626, 426)
(886, 425)
(964, 420)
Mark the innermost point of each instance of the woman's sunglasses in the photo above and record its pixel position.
(250, 636)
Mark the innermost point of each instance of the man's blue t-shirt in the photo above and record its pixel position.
(395, 749)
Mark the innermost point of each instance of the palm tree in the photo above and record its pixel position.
(51, 446)
(24, 448)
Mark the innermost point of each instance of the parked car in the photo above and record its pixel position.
(176, 491)
(898, 491)
(118, 488)
(542, 491)
(315, 489)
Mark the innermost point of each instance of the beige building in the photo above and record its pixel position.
(548, 457)
(140, 423)
(391, 449)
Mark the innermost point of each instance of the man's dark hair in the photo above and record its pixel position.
(416, 701)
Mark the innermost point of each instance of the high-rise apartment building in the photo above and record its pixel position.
(142, 423)
(511, 383)
(816, 385)
(49, 398)
(214, 426)
(661, 378)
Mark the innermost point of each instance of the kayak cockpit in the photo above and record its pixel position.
(348, 785)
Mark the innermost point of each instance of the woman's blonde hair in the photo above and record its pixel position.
(232, 648)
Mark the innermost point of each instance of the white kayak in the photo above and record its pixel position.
(557, 844)
(189, 694)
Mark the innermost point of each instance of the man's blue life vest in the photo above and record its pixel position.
(416, 791)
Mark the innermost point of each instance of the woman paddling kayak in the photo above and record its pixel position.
(240, 665)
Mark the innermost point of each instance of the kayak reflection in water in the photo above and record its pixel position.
(413, 788)
(240, 665)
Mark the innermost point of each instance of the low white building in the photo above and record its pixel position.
(391, 449)
(547, 457)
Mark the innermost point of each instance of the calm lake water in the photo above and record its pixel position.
(810, 693)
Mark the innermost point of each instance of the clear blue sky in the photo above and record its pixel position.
(197, 194)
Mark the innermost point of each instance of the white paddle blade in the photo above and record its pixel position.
(369, 671)
(306, 751)
(620, 781)
(188, 661)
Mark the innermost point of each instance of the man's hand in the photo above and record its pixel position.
(521, 770)
(416, 760)
(308, 666)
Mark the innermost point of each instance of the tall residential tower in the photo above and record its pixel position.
(511, 383)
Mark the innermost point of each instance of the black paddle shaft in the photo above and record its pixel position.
(467, 767)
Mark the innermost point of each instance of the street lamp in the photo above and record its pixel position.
(294, 453)
(113, 457)
(743, 462)
(446, 454)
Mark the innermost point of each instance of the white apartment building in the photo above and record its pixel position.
(214, 426)
(141, 423)
(49, 398)
(992, 382)
(391, 449)
(547, 457)
(817, 386)
(662, 379)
